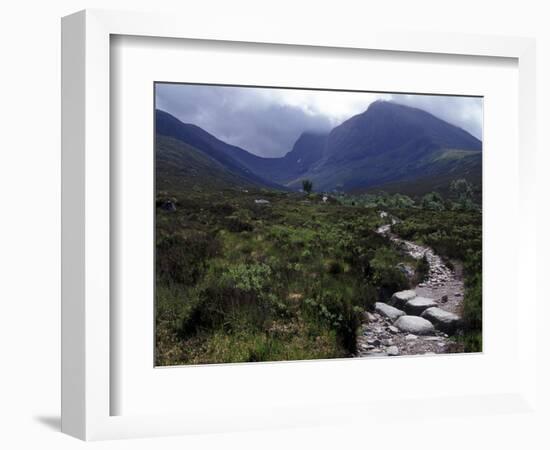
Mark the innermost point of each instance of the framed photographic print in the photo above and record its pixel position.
(250, 208)
(320, 240)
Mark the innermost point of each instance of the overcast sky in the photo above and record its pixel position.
(267, 122)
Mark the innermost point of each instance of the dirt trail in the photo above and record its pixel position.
(441, 280)
(379, 337)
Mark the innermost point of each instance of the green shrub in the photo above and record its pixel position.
(338, 312)
(225, 308)
(334, 267)
(183, 258)
(236, 225)
(433, 201)
(247, 277)
(473, 342)
(232, 298)
(386, 276)
(473, 302)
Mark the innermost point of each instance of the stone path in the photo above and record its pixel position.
(415, 322)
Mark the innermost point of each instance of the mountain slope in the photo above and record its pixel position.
(386, 126)
(390, 142)
(232, 158)
(181, 166)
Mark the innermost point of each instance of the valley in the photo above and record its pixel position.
(304, 256)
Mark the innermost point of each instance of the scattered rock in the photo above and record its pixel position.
(458, 294)
(393, 329)
(168, 205)
(417, 305)
(261, 201)
(442, 320)
(414, 325)
(370, 317)
(392, 351)
(399, 299)
(445, 299)
(388, 311)
(411, 337)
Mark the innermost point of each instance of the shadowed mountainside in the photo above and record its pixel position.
(388, 145)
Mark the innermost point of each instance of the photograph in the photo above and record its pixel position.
(299, 223)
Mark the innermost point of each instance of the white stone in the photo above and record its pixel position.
(388, 311)
(392, 351)
(442, 320)
(417, 305)
(399, 299)
(414, 325)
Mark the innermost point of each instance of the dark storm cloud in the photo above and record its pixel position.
(250, 118)
(267, 122)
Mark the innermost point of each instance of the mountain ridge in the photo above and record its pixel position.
(387, 143)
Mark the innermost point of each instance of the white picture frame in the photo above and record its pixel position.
(86, 219)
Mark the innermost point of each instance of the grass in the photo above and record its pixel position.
(290, 279)
(237, 281)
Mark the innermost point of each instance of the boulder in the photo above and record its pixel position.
(399, 299)
(392, 351)
(388, 311)
(417, 305)
(168, 205)
(414, 325)
(442, 320)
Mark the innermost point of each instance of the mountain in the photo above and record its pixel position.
(230, 157)
(387, 146)
(390, 142)
(307, 150)
(387, 126)
(180, 166)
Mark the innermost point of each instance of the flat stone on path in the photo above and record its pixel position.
(417, 305)
(442, 320)
(388, 311)
(399, 299)
(414, 325)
